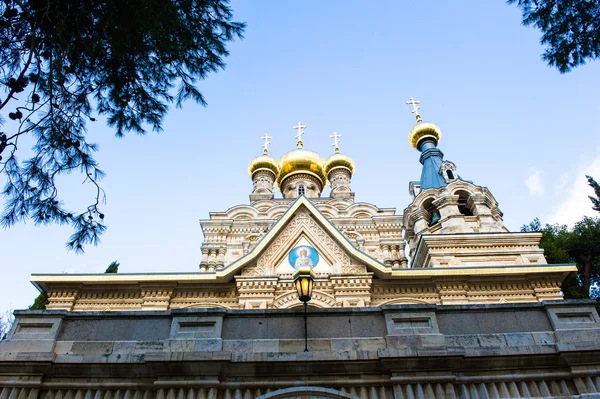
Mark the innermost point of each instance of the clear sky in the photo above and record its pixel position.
(509, 122)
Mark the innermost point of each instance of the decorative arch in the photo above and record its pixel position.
(276, 212)
(368, 210)
(242, 211)
(304, 392)
(405, 301)
(211, 305)
(290, 299)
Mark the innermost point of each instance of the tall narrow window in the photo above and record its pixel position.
(301, 190)
(450, 174)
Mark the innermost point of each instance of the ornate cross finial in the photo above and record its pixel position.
(267, 140)
(336, 141)
(415, 109)
(299, 127)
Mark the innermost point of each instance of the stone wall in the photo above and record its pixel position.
(548, 350)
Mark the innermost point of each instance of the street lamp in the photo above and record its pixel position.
(304, 278)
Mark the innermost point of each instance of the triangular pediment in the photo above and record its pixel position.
(303, 226)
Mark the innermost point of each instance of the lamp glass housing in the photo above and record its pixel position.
(304, 287)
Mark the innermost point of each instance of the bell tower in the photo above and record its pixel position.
(446, 210)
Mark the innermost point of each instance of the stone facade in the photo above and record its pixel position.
(542, 350)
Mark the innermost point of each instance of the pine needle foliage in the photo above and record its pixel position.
(595, 200)
(570, 29)
(63, 63)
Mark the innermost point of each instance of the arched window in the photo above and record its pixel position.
(450, 174)
(301, 190)
(463, 199)
(433, 211)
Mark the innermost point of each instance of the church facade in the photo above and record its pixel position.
(441, 301)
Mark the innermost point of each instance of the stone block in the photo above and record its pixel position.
(573, 317)
(345, 344)
(208, 345)
(35, 357)
(183, 327)
(281, 357)
(317, 345)
(432, 340)
(244, 328)
(329, 326)
(115, 330)
(544, 338)
(149, 346)
(124, 347)
(367, 325)
(587, 335)
(91, 348)
(372, 344)
(519, 339)
(265, 345)
(495, 322)
(286, 327)
(411, 322)
(455, 323)
(14, 345)
(154, 329)
(406, 341)
(237, 345)
(491, 340)
(79, 330)
(462, 341)
(68, 359)
(180, 345)
(533, 320)
(63, 347)
(32, 328)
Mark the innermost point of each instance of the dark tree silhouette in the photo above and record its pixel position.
(570, 29)
(63, 63)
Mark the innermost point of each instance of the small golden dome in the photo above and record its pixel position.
(423, 130)
(339, 161)
(301, 161)
(264, 162)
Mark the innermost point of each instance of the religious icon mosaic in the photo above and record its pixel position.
(303, 255)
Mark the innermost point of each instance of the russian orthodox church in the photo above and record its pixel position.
(440, 301)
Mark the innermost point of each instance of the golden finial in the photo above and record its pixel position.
(336, 141)
(415, 109)
(299, 127)
(267, 140)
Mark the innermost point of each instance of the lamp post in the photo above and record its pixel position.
(304, 278)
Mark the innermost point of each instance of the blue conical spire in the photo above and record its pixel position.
(431, 159)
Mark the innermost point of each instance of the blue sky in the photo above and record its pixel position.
(509, 122)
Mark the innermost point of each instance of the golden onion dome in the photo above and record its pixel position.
(264, 162)
(338, 160)
(301, 161)
(424, 130)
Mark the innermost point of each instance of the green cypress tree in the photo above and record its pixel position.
(113, 267)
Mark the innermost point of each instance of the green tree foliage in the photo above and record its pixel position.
(581, 245)
(570, 29)
(40, 302)
(62, 63)
(113, 267)
(595, 201)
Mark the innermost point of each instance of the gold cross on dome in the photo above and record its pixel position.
(267, 140)
(299, 127)
(415, 109)
(336, 141)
